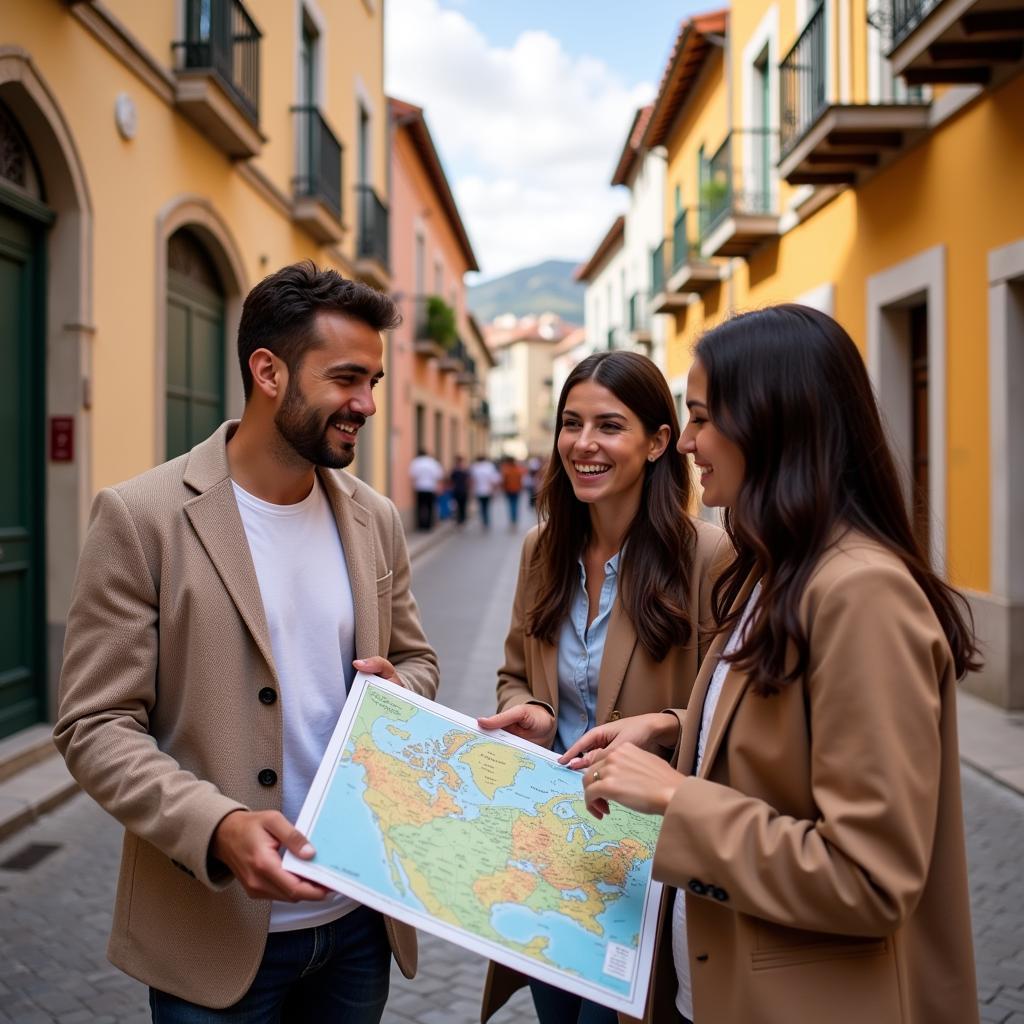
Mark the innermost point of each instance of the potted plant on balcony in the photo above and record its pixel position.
(441, 323)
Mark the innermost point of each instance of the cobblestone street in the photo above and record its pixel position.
(57, 876)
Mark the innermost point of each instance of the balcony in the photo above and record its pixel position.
(372, 239)
(826, 143)
(218, 80)
(956, 42)
(316, 202)
(738, 202)
(481, 412)
(466, 377)
(638, 319)
(429, 331)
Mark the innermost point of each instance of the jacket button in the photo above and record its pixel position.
(267, 695)
(614, 716)
(267, 777)
(697, 887)
(701, 958)
(719, 894)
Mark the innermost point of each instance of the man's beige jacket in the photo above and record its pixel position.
(166, 717)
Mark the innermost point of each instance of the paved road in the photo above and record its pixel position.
(54, 915)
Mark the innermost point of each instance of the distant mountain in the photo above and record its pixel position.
(545, 288)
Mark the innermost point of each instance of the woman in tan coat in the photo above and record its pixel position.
(613, 589)
(815, 833)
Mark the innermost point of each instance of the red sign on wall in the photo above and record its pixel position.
(62, 438)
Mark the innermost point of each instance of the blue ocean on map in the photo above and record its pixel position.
(357, 851)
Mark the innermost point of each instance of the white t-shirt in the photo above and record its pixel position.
(485, 477)
(426, 473)
(307, 599)
(680, 946)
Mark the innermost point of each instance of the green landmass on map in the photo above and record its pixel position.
(557, 858)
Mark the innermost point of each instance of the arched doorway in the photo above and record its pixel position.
(195, 344)
(24, 218)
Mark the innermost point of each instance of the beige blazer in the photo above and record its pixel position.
(821, 848)
(161, 719)
(630, 682)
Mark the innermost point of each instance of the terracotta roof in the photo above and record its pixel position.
(570, 341)
(507, 330)
(605, 248)
(406, 115)
(631, 150)
(691, 49)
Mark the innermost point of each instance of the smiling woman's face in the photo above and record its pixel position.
(718, 460)
(603, 445)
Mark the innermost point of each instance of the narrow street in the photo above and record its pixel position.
(57, 876)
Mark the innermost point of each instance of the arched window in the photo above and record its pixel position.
(195, 343)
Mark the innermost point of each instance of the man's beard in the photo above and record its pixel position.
(305, 431)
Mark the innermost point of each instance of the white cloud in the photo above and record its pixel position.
(529, 134)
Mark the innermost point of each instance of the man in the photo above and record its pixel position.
(458, 478)
(426, 473)
(486, 478)
(220, 604)
(512, 485)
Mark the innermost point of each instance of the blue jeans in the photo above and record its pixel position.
(555, 1006)
(338, 972)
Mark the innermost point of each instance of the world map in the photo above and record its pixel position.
(487, 841)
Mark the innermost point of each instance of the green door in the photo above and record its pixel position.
(22, 508)
(195, 363)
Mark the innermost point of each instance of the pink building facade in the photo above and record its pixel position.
(438, 362)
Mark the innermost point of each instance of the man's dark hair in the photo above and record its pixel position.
(279, 313)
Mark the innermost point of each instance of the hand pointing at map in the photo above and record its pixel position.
(530, 721)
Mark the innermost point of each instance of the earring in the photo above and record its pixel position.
(650, 458)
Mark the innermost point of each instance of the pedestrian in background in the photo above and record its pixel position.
(220, 602)
(458, 481)
(426, 474)
(612, 610)
(814, 827)
(512, 484)
(533, 477)
(486, 480)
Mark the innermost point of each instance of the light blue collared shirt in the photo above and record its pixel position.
(580, 651)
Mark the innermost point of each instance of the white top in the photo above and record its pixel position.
(307, 599)
(426, 473)
(680, 948)
(485, 477)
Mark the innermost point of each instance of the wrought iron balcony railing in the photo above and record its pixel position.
(803, 91)
(319, 159)
(638, 318)
(738, 177)
(373, 226)
(906, 15)
(683, 250)
(658, 256)
(221, 37)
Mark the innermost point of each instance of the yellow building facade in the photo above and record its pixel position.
(159, 159)
(865, 159)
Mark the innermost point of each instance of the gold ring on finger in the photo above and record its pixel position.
(596, 775)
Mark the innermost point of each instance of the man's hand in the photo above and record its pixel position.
(377, 666)
(249, 843)
(529, 721)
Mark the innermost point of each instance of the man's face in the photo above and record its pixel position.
(330, 394)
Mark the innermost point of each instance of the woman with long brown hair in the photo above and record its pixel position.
(812, 821)
(613, 598)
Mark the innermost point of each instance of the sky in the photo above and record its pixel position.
(528, 103)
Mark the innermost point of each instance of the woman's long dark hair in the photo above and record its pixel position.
(788, 386)
(655, 574)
